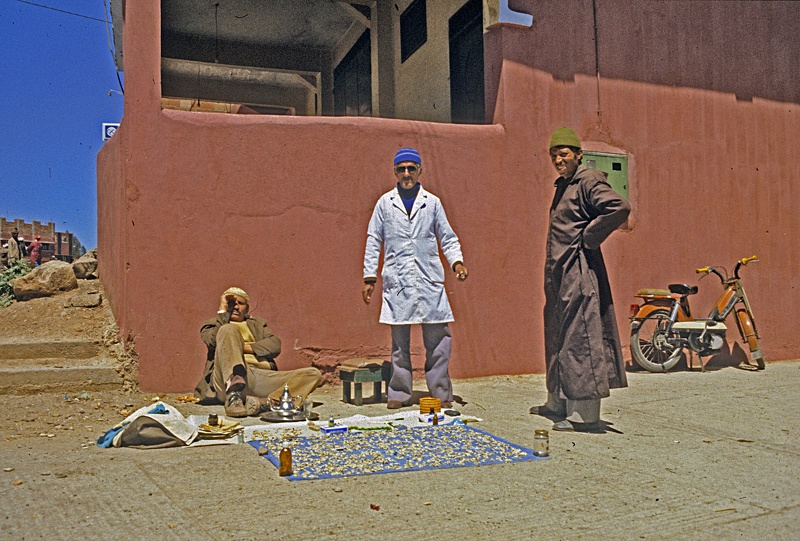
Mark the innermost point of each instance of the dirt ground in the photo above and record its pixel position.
(52, 317)
(686, 455)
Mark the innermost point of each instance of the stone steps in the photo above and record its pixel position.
(56, 366)
(62, 349)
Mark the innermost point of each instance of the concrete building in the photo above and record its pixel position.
(694, 117)
(55, 244)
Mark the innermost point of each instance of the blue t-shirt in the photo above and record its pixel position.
(408, 196)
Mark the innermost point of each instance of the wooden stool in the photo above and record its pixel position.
(358, 371)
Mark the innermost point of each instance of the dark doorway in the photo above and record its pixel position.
(466, 64)
(352, 81)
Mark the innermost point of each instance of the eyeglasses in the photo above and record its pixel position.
(400, 169)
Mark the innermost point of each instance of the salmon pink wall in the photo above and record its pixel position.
(110, 222)
(706, 107)
(192, 203)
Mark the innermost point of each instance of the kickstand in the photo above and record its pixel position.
(699, 360)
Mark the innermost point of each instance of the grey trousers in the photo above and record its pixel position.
(260, 382)
(437, 340)
(577, 411)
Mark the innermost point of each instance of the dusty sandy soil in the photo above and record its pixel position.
(74, 417)
(685, 455)
(53, 318)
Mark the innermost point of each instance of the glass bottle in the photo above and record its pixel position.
(541, 443)
(285, 459)
(434, 417)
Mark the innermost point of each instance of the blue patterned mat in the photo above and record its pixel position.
(407, 449)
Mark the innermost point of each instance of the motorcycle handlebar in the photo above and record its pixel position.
(741, 262)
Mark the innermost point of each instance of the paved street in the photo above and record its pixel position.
(687, 455)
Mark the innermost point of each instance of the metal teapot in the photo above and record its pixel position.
(286, 405)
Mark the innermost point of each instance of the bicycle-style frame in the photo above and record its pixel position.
(676, 302)
(734, 294)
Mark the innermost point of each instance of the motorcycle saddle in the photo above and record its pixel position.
(649, 292)
(683, 289)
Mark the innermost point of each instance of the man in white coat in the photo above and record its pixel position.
(407, 223)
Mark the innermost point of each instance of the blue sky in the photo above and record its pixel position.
(56, 71)
(55, 74)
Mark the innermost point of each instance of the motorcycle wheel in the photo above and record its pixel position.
(652, 347)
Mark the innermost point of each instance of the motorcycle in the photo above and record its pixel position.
(663, 325)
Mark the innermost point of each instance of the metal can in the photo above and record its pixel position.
(541, 443)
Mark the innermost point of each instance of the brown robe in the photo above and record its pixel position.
(582, 346)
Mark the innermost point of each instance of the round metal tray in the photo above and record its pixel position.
(277, 417)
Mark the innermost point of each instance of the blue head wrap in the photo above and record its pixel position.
(407, 155)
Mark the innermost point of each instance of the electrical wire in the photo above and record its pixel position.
(110, 46)
(120, 84)
(108, 32)
(59, 10)
(596, 57)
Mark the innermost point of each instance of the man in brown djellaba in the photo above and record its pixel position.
(582, 346)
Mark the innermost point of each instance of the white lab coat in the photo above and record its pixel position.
(412, 276)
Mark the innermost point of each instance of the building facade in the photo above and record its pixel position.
(696, 117)
(55, 244)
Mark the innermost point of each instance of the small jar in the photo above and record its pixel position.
(331, 422)
(285, 460)
(541, 443)
(213, 419)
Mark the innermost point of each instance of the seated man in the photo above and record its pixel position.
(240, 367)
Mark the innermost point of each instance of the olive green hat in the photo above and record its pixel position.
(565, 137)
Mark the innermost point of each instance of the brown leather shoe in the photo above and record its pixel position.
(265, 404)
(252, 405)
(234, 404)
(239, 405)
(396, 404)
